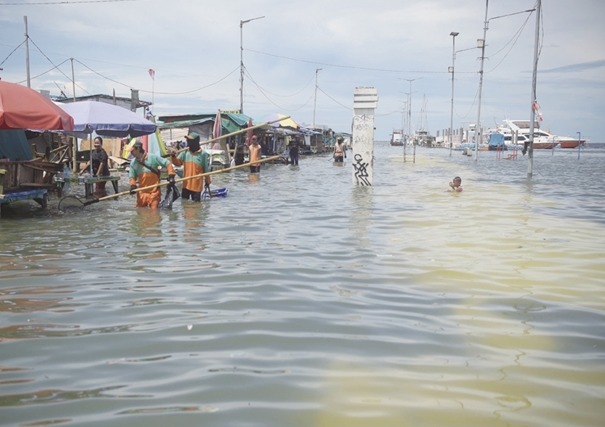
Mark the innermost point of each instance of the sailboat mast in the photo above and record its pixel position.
(532, 116)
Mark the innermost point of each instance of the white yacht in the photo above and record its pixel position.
(542, 139)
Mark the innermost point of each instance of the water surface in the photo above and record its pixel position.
(303, 300)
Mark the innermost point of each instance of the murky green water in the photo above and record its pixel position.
(302, 300)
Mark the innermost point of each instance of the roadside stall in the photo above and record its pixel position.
(22, 177)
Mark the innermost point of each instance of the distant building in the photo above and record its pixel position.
(133, 103)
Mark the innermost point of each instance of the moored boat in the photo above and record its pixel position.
(424, 138)
(397, 137)
(565, 142)
(516, 133)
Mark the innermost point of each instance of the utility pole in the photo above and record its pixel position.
(73, 79)
(29, 83)
(315, 99)
(532, 115)
(453, 34)
(241, 62)
(481, 44)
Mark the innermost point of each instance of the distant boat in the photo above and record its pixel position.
(397, 137)
(422, 137)
(568, 142)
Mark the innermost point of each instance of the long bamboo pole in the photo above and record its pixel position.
(237, 132)
(164, 183)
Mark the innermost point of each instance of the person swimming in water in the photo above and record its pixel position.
(456, 184)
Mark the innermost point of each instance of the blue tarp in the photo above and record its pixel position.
(14, 145)
(496, 140)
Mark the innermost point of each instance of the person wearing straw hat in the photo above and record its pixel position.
(145, 172)
(194, 162)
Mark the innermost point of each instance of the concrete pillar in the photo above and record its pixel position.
(365, 100)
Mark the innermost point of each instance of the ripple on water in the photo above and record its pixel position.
(300, 300)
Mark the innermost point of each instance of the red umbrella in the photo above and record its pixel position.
(24, 108)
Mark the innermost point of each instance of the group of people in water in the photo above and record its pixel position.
(144, 175)
(145, 168)
(339, 152)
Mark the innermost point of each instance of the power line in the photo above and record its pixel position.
(196, 89)
(351, 67)
(160, 93)
(38, 3)
(47, 58)
(337, 102)
(13, 51)
(514, 39)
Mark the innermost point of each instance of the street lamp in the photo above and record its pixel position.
(453, 34)
(317, 70)
(241, 62)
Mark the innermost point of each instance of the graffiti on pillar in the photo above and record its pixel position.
(361, 122)
(361, 170)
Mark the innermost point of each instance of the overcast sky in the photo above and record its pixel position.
(194, 48)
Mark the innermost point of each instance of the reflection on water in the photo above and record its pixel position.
(147, 222)
(302, 300)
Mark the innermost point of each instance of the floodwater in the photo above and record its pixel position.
(302, 300)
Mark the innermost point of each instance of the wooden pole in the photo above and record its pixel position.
(237, 132)
(164, 183)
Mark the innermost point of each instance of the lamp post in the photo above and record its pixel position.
(453, 34)
(317, 70)
(241, 62)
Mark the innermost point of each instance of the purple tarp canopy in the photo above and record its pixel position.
(107, 119)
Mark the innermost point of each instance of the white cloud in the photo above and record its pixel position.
(194, 46)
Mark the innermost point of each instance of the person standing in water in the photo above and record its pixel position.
(195, 162)
(339, 151)
(100, 166)
(294, 147)
(145, 172)
(254, 151)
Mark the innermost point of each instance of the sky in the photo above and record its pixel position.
(304, 58)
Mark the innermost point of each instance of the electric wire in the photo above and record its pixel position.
(512, 42)
(13, 51)
(38, 3)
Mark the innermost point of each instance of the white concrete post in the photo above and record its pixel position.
(365, 100)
